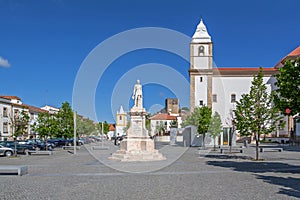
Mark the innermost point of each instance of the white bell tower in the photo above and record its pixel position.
(201, 62)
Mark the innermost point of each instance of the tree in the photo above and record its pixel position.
(204, 119)
(215, 127)
(46, 125)
(255, 113)
(84, 126)
(65, 121)
(288, 83)
(20, 123)
(105, 127)
(192, 118)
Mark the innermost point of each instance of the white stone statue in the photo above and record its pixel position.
(138, 95)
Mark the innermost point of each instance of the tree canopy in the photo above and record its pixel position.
(204, 120)
(288, 83)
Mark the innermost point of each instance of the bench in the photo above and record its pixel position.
(240, 150)
(263, 149)
(70, 147)
(40, 153)
(13, 170)
(99, 148)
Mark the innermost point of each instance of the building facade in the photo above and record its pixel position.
(219, 88)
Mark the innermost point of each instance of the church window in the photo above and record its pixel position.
(120, 118)
(201, 51)
(201, 102)
(233, 98)
(214, 97)
(201, 78)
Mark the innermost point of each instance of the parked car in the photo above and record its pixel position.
(58, 141)
(5, 151)
(39, 144)
(20, 148)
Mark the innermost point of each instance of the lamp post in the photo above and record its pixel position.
(288, 112)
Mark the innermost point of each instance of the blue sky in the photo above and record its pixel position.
(44, 43)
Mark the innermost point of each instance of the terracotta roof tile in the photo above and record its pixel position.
(163, 116)
(10, 97)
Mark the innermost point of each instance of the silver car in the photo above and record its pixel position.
(6, 151)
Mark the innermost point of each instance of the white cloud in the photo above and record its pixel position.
(4, 62)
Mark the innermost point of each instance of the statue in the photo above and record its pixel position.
(137, 95)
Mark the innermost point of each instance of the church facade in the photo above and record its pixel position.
(220, 88)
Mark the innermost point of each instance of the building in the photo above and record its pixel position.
(50, 109)
(219, 88)
(121, 122)
(160, 124)
(172, 106)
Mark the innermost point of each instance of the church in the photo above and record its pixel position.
(220, 88)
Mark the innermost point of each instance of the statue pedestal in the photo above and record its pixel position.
(137, 146)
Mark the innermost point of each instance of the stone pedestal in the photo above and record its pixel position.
(137, 145)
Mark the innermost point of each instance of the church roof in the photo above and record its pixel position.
(121, 111)
(201, 34)
(292, 55)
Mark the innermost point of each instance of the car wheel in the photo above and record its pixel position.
(8, 153)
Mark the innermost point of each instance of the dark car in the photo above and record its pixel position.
(59, 142)
(39, 144)
(20, 148)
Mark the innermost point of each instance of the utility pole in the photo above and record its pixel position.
(74, 140)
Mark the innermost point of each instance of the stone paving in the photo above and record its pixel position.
(194, 174)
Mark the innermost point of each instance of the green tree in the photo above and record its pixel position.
(192, 118)
(204, 119)
(288, 83)
(255, 113)
(84, 126)
(105, 127)
(215, 127)
(20, 123)
(65, 121)
(46, 125)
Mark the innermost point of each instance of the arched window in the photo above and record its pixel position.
(201, 51)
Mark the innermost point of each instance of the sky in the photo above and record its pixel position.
(45, 45)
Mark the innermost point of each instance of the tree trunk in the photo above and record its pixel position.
(203, 140)
(257, 141)
(214, 144)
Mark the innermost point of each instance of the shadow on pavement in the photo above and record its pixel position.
(228, 156)
(290, 185)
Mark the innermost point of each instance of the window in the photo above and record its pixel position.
(5, 127)
(201, 78)
(201, 102)
(201, 51)
(233, 98)
(5, 112)
(120, 118)
(214, 97)
(31, 115)
(16, 114)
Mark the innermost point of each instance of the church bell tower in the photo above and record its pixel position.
(201, 68)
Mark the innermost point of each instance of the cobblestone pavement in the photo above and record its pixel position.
(197, 174)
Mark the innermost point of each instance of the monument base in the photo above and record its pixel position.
(137, 149)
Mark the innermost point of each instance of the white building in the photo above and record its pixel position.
(121, 122)
(50, 109)
(219, 88)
